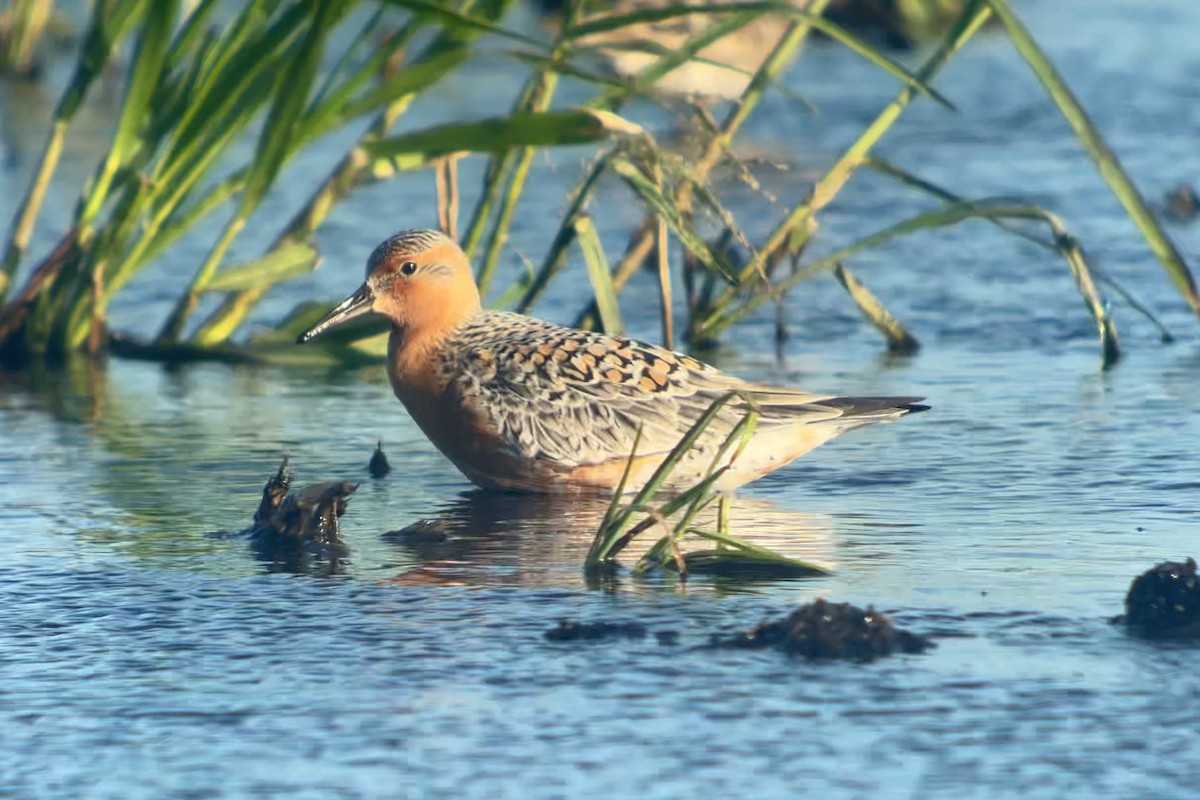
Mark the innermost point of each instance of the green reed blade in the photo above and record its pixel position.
(343, 72)
(599, 550)
(700, 496)
(550, 63)
(410, 80)
(1069, 247)
(916, 182)
(26, 20)
(539, 102)
(672, 60)
(556, 254)
(291, 93)
(149, 57)
(193, 32)
(547, 129)
(750, 10)
(619, 21)
(1107, 163)
(899, 340)
(495, 178)
(740, 559)
(953, 214)
(446, 51)
(971, 20)
(284, 263)
(669, 211)
(289, 103)
(600, 274)
(454, 18)
(248, 64)
(717, 148)
(612, 536)
(107, 25)
(607, 537)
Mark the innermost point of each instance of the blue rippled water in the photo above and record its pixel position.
(145, 653)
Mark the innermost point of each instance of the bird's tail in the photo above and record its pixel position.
(874, 408)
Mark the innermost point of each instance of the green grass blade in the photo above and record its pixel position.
(108, 23)
(1106, 160)
(916, 182)
(669, 211)
(609, 539)
(453, 18)
(548, 129)
(953, 214)
(410, 80)
(621, 21)
(287, 262)
(799, 219)
(600, 275)
(556, 255)
(150, 55)
(291, 98)
(899, 340)
(539, 101)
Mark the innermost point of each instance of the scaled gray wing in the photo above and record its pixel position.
(576, 398)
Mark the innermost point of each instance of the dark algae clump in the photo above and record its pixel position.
(292, 529)
(571, 631)
(1182, 204)
(1164, 602)
(822, 630)
(378, 466)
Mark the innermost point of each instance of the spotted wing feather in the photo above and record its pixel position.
(574, 397)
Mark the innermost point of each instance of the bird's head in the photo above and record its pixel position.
(419, 280)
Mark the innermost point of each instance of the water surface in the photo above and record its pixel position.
(143, 654)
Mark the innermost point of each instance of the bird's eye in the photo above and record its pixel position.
(408, 268)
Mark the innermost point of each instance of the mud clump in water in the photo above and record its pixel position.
(378, 466)
(294, 529)
(1182, 204)
(423, 531)
(571, 631)
(1164, 602)
(822, 630)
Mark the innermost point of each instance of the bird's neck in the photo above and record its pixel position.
(415, 352)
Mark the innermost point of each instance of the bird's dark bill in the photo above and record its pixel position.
(352, 307)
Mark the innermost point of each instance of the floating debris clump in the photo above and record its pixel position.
(290, 528)
(1182, 203)
(571, 631)
(822, 630)
(1164, 602)
(378, 466)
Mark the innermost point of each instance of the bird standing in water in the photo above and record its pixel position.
(520, 404)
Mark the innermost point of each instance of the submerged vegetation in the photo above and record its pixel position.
(677, 516)
(286, 73)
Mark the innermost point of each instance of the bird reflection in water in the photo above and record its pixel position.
(488, 538)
